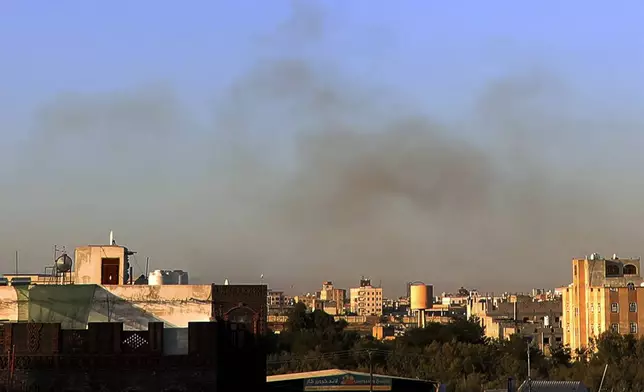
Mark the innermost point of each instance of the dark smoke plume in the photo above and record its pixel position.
(306, 175)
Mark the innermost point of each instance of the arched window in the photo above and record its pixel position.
(630, 269)
(612, 270)
(631, 286)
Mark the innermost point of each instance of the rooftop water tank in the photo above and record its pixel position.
(182, 277)
(155, 278)
(63, 263)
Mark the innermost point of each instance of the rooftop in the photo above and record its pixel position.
(330, 373)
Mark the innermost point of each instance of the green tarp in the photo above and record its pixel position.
(69, 305)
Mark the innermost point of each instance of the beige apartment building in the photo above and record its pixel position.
(366, 300)
(333, 298)
(604, 294)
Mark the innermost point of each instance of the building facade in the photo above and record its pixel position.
(366, 300)
(103, 291)
(333, 298)
(605, 294)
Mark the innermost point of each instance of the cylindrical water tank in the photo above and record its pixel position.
(420, 298)
(182, 277)
(155, 278)
(546, 321)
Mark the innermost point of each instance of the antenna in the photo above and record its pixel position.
(16, 262)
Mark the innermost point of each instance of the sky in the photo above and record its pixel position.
(481, 144)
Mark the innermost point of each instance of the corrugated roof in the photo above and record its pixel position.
(330, 372)
(554, 386)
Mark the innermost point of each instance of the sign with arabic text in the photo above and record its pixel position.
(347, 382)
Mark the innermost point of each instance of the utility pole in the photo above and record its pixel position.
(16, 262)
(370, 370)
(601, 384)
(147, 266)
(529, 379)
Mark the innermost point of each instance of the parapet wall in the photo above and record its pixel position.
(41, 356)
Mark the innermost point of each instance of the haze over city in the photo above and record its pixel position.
(483, 146)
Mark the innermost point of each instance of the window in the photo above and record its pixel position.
(614, 328)
(630, 269)
(591, 307)
(557, 339)
(631, 286)
(632, 307)
(633, 327)
(612, 270)
(614, 307)
(546, 340)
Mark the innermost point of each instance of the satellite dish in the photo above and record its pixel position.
(63, 263)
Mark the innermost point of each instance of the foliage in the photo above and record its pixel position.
(457, 354)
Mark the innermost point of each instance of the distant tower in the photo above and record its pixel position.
(226, 282)
(421, 296)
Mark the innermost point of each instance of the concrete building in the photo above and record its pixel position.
(276, 301)
(334, 298)
(539, 321)
(102, 290)
(366, 299)
(311, 301)
(604, 294)
(102, 264)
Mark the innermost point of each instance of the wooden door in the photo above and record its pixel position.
(110, 271)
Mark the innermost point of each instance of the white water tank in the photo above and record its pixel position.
(546, 321)
(155, 278)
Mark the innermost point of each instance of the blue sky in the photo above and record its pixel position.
(447, 48)
(434, 58)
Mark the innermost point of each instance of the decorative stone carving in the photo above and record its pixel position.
(33, 336)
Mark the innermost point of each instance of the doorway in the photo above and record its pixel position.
(110, 270)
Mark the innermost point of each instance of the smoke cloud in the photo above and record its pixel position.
(306, 175)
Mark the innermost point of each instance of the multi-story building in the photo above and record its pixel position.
(311, 301)
(366, 299)
(604, 294)
(334, 298)
(531, 318)
(275, 301)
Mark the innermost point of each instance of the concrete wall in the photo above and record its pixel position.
(175, 341)
(135, 306)
(8, 304)
(87, 262)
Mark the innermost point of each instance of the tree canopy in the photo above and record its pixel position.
(457, 354)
